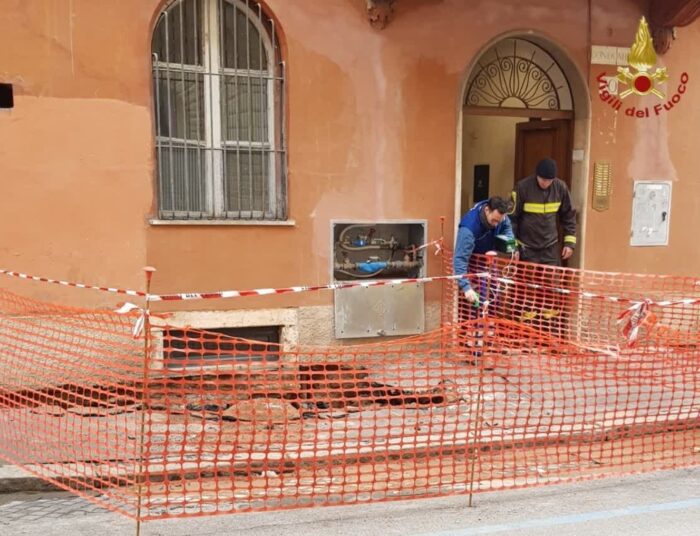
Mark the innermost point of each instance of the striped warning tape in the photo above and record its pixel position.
(331, 286)
(244, 293)
(224, 294)
(69, 284)
(591, 295)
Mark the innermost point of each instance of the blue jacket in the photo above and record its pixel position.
(475, 237)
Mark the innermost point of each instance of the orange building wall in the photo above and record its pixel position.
(372, 133)
(658, 148)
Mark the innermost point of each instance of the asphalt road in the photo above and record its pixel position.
(658, 504)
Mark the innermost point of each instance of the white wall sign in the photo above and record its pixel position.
(601, 55)
(651, 213)
(604, 55)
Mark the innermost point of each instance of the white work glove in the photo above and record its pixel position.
(471, 296)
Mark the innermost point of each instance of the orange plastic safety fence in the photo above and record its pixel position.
(71, 398)
(543, 382)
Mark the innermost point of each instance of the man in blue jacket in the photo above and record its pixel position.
(477, 234)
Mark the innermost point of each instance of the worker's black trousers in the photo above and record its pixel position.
(550, 256)
(545, 309)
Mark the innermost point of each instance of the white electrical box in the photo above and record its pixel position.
(651, 213)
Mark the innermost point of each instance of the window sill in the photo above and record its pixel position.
(235, 223)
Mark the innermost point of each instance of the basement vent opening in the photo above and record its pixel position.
(7, 99)
(212, 346)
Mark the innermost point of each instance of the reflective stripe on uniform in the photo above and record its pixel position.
(569, 239)
(541, 208)
(514, 198)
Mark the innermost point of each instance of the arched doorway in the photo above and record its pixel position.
(522, 99)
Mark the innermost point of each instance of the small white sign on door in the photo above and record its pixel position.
(651, 213)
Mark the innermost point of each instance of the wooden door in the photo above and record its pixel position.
(537, 139)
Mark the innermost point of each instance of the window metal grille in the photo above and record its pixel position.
(218, 95)
(516, 73)
(183, 347)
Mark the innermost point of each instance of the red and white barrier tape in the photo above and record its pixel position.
(244, 293)
(635, 317)
(616, 299)
(69, 284)
(128, 308)
(289, 290)
(224, 294)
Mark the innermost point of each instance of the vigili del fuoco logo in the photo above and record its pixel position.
(640, 78)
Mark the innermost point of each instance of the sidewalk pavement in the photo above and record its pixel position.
(14, 480)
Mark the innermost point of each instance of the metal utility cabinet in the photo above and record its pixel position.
(376, 250)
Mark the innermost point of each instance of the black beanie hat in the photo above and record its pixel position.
(547, 169)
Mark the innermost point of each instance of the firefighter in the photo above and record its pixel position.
(539, 201)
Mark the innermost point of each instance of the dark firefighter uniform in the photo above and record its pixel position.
(534, 220)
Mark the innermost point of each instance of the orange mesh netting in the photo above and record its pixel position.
(558, 375)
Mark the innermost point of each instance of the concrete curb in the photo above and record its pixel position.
(13, 480)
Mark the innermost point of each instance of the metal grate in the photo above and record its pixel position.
(516, 73)
(184, 347)
(218, 89)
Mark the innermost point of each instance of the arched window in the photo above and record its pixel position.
(218, 96)
(516, 73)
